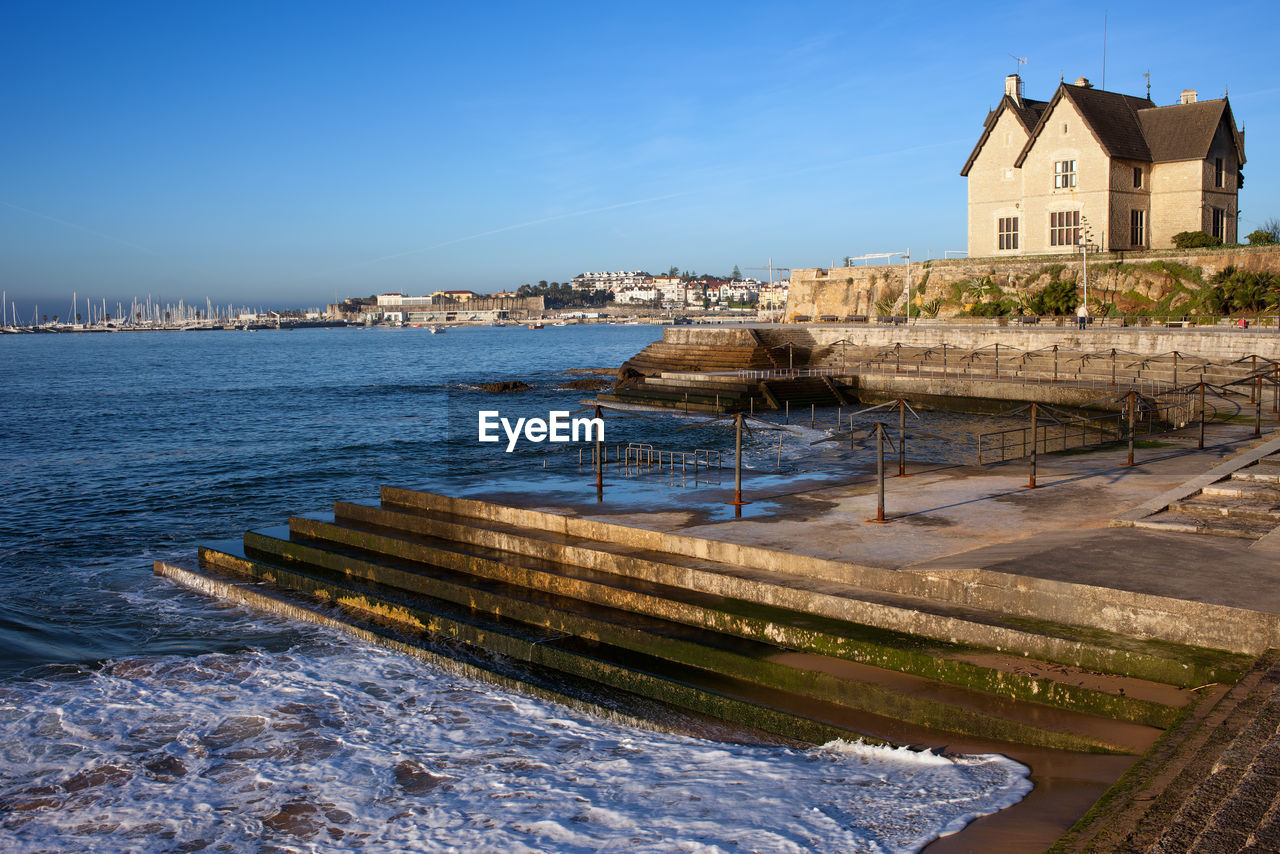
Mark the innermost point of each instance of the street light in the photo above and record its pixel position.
(1084, 265)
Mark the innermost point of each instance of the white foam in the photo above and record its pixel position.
(337, 746)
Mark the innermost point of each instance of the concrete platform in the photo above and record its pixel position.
(960, 518)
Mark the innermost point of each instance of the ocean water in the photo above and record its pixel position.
(137, 716)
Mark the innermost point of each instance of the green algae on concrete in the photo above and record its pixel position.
(875, 647)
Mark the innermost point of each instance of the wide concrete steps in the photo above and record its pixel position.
(1246, 505)
(1207, 787)
(762, 649)
(702, 657)
(666, 356)
(914, 616)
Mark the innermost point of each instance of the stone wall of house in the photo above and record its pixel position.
(840, 292)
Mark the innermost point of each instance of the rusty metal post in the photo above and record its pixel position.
(788, 411)
(1031, 484)
(1055, 363)
(1253, 369)
(944, 360)
(1132, 407)
(897, 353)
(1257, 407)
(737, 467)
(811, 408)
(879, 472)
(997, 360)
(600, 452)
(902, 438)
(1201, 414)
(1113, 365)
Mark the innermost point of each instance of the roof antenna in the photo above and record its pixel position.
(1104, 50)
(1021, 61)
(1148, 76)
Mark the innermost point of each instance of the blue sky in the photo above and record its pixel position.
(286, 152)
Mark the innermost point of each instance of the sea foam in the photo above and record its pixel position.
(334, 745)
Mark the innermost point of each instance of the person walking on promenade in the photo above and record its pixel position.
(1082, 315)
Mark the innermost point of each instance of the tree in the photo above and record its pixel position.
(736, 275)
(673, 272)
(1267, 235)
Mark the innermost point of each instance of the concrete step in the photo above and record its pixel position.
(913, 699)
(1256, 474)
(1244, 489)
(1206, 506)
(698, 670)
(1008, 677)
(1090, 649)
(506, 647)
(1212, 524)
(1227, 796)
(1140, 810)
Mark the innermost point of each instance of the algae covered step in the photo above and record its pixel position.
(942, 662)
(709, 670)
(909, 614)
(719, 631)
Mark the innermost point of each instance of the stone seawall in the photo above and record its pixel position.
(845, 291)
(1217, 344)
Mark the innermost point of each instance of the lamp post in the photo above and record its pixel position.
(1084, 267)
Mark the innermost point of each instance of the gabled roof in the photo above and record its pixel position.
(1028, 114)
(1112, 118)
(1186, 131)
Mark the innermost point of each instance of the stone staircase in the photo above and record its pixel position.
(1213, 788)
(601, 612)
(690, 392)
(1245, 505)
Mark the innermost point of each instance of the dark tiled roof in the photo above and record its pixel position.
(1028, 114)
(1125, 126)
(1185, 131)
(1111, 117)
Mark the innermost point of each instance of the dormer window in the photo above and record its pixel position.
(1064, 174)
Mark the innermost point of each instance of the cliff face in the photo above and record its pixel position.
(1150, 282)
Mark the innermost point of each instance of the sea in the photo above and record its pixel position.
(138, 716)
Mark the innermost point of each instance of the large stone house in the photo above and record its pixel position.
(1113, 170)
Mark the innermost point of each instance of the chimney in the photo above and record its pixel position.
(1188, 96)
(1083, 83)
(1013, 88)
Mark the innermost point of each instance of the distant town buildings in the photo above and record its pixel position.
(1112, 170)
(609, 281)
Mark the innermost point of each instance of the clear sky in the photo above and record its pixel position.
(284, 152)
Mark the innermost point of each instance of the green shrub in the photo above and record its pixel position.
(1261, 238)
(1058, 298)
(1195, 240)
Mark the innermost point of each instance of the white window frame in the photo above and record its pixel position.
(1064, 174)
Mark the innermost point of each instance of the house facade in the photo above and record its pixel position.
(1114, 171)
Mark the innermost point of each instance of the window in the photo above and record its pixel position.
(1138, 228)
(1064, 228)
(1220, 223)
(1219, 172)
(1064, 174)
(1007, 230)
(1137, 177)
